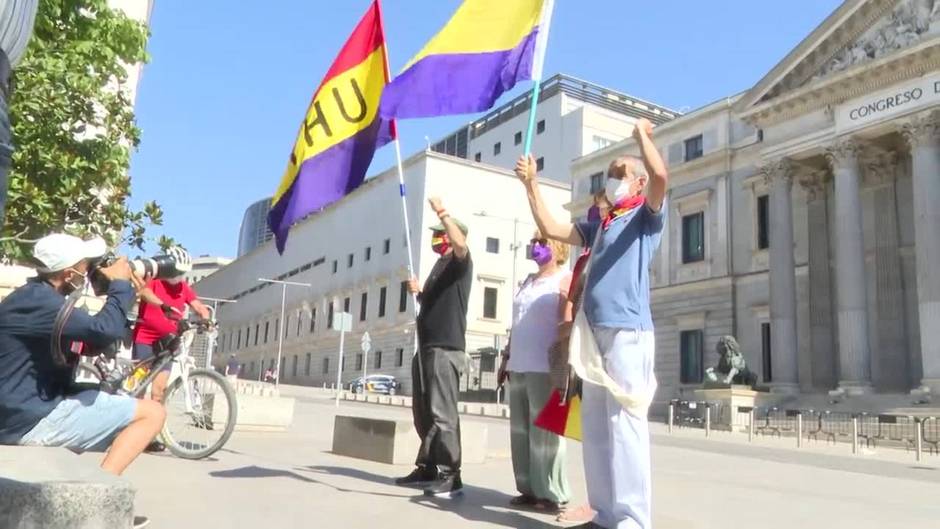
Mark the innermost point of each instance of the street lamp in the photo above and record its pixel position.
(280, 330)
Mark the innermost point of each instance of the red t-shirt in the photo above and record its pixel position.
(152, 324)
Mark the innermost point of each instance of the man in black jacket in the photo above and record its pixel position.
(436, 369)
(36, 405)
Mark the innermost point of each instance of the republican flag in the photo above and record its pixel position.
(484, 50)
(561, 418)
(340, 132)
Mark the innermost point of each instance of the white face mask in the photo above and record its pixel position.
(617, 189)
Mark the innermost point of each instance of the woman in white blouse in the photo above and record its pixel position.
(538, 456)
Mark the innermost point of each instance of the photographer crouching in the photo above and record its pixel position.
(40, 332)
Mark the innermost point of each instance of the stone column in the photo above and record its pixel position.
(783, 340)
(852, 302)
(923, 135)
(890, 365)
(823, 364)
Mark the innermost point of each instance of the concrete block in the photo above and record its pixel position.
(505, 412)
(395, 441)
(52, 488)
(259, 414)
(385, 399)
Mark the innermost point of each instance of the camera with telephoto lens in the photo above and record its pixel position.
(156, 267)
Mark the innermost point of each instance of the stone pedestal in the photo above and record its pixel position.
(730, 398)
(395, 441)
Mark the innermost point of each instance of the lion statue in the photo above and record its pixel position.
(731, 368)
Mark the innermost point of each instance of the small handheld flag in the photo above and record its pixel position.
(340, 132)
(561, 418)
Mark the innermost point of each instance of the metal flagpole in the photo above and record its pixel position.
(404, 207)
(536, 86)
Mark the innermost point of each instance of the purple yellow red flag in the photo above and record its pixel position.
(561, 418)
(340, 132)
(484, 50)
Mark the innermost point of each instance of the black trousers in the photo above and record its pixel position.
(435, 407)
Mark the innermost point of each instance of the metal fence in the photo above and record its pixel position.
(910, 432)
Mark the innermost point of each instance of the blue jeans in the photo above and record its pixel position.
(89, 420)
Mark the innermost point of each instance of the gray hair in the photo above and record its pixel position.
(620, 165)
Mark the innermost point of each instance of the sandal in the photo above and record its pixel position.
(581, 513)
(550, 507)
(523, 500)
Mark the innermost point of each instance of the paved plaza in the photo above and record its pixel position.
(287, 480)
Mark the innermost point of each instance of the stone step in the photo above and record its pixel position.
(52, 488)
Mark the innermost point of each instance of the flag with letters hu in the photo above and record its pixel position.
(339, 133)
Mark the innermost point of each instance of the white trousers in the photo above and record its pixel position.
(617, 443)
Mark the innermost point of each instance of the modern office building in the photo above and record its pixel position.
(254, 229)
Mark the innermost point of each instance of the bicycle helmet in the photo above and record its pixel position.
(183, 262)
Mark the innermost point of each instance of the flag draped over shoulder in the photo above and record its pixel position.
(340, 132)
(483, 51)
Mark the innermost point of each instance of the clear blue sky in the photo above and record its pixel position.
(228, 82)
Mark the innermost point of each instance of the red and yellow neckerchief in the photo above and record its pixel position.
(622, 208)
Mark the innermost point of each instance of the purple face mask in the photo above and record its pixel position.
(594, 214)
(541, 254)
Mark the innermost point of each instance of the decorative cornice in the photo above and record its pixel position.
(922, 129)
(848, 84)
(842, 151)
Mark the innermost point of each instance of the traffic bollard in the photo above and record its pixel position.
(919, 434)
(855, 434)
(799, 430)
(672, 416)
(750, 426)
(708, 420)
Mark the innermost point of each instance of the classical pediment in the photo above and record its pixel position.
(860, 40)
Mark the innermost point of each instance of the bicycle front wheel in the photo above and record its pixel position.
(199, 428)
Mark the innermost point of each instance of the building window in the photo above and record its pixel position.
(760, 135)
(478, 157)
(490, 296)
(326, 365)
(313, 320)
(383, 294)
(359, 362)
(239, 339)
(346, 304)
(286, 326)
(368, 253)
(307, 366)
(335, 266)
(597, 183)
(364, 306)
(277, 325)
(403, 297)
(765, 352)
(693, 238)
(492, 245)
(300, 321)
(399, 357)
(293, 368)
(693, 148)
(540, 127)
(378, 360)
(600, 142)
(763, 222)
(498, 148)
(691, 368)
(350, 260)
(329, 316)
(257, 332)
(518, 138)
(540, 164)
(387, 246)
(267, 328)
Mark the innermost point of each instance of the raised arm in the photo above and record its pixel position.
(458, 241)
(655, 166)
(550, 228)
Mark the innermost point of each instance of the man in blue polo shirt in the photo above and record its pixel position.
(617, 309)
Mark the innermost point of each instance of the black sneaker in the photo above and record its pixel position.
(448, 486)
(418, 476)
(140, 522)
(155, 447)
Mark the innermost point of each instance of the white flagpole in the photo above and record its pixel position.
(541, 44)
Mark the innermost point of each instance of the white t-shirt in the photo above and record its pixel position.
(536, 314)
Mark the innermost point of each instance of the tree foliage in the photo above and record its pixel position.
(74, 130)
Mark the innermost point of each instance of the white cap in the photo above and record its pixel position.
(60, 251)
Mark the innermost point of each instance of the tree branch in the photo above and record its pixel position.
(19, 238)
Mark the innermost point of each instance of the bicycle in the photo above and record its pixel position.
(191, 399)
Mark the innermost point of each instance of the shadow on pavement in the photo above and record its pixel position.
(255, 472)
(475, 504)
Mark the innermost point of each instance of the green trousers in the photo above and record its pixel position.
(538, 456)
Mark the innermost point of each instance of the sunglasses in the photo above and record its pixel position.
(543, 242)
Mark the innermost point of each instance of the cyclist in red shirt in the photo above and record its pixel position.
(162, 303)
